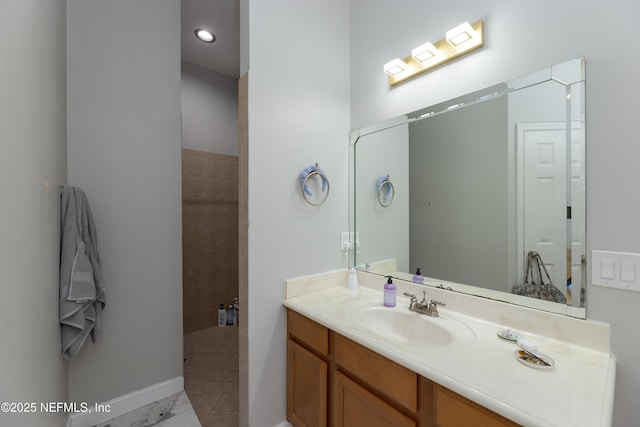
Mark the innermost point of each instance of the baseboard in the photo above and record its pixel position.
(126, 403)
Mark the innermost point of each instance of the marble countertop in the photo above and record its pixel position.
(578, 391)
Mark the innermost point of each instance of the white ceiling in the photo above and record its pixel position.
(222, 18)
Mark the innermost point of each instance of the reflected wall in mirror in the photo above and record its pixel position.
(480, 181)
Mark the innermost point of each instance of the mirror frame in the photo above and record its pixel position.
(564, 73)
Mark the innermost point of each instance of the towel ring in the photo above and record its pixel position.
(386, 191)
(309, 173)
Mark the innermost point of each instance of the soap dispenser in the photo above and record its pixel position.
(418, 277)
(352, 279)
(389, 293)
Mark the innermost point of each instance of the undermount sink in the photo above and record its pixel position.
(399, 326)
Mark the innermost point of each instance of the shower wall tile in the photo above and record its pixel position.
(209, 236)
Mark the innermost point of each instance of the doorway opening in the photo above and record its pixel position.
(210, 149)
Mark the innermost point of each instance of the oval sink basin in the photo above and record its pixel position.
(410, 330)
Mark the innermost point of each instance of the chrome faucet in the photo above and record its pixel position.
(424, 307)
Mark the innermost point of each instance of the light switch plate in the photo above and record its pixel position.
(607, 269)
(627, 271)
(615, 270)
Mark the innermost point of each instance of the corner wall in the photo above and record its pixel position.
(124, 150)
(522, 37)
(32, 154)
(298, 114)
(209, 103)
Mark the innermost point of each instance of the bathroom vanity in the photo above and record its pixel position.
(352, 361)
(366, 388)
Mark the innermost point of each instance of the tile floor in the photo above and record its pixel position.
(173, 411)
(210, 383)
(211, 375)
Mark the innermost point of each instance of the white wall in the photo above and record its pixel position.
(383, 233)
(458, 196)
(209, 110)
(32, 152)
(298, 115)
(522, 37)
(124, 151)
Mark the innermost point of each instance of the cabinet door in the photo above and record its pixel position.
(355, 406)
(306, 387)
(453, 410)
(377, 372)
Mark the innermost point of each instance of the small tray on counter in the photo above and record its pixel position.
(534, 360)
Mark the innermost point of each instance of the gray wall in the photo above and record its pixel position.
(32, 152)
(209, 110)
(298, 115)
(124, 151)
(458, 198)
(522, 37)
(383, 232)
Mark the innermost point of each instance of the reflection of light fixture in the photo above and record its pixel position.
(205, 36)
(458, 41)
(460, 34)
(395, 67)
(425, 52)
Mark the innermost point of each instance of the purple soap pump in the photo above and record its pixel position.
(389, 293)
(418, 277)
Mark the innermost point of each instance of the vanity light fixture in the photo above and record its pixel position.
(461, 34)
(458, 41)
(204, 35)
(395, 67)
(425, 52)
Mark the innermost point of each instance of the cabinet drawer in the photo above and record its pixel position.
(312, 334)
(383, 375)
(453, 410)
(355, 406)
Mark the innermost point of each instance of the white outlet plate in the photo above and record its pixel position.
(346, 237)
(617, 270)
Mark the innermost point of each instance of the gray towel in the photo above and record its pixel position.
(81, 284)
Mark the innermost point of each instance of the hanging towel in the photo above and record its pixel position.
(82, 287)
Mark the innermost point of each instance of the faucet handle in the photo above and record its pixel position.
(413, 297)
(413, 302)
(434, 302)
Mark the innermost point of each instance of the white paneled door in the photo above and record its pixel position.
(543, 197)
(546, 223)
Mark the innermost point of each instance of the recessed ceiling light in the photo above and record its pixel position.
(205, 35)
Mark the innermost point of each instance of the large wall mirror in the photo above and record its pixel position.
(466, 189)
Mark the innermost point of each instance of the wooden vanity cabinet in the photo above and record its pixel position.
(307, 371)
(333, 381)
(369, 389)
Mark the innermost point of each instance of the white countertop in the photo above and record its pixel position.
(578, 391)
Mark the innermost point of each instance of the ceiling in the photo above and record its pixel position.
(220, 17)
